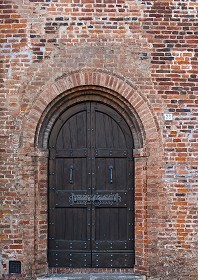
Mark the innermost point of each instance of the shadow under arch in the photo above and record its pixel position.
(88, 93)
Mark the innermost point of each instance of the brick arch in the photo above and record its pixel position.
(90, 78)
(82, 94)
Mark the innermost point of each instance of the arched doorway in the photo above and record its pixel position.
(112, 90)
(91, 188)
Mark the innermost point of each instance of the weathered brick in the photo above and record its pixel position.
(144, 52)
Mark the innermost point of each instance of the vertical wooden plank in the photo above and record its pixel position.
(122, 224)
(114, 225)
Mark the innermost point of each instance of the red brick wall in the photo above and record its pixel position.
(144, 53)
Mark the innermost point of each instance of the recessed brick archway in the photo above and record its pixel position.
(55, 90)
(111, 89)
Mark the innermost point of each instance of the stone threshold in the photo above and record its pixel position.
(93, 276)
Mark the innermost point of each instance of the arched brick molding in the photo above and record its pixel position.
(36, 128)
(110, 81)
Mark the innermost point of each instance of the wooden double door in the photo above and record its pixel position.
(91, 212)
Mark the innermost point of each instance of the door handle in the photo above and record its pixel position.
(110, 174)
(71, 174)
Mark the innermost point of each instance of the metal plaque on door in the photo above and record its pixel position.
(96, 200)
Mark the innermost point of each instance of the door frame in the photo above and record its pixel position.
(102, 97)
(125, 107)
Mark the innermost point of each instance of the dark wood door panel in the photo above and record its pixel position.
(71, 224)
(71, 153)
(112, 173)
(111, 224)
(71, 245)
(91, 189)
(112, 152)
(73, 134)
(107, 245)
(62, 258)
(70, 173)
(112, 259)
